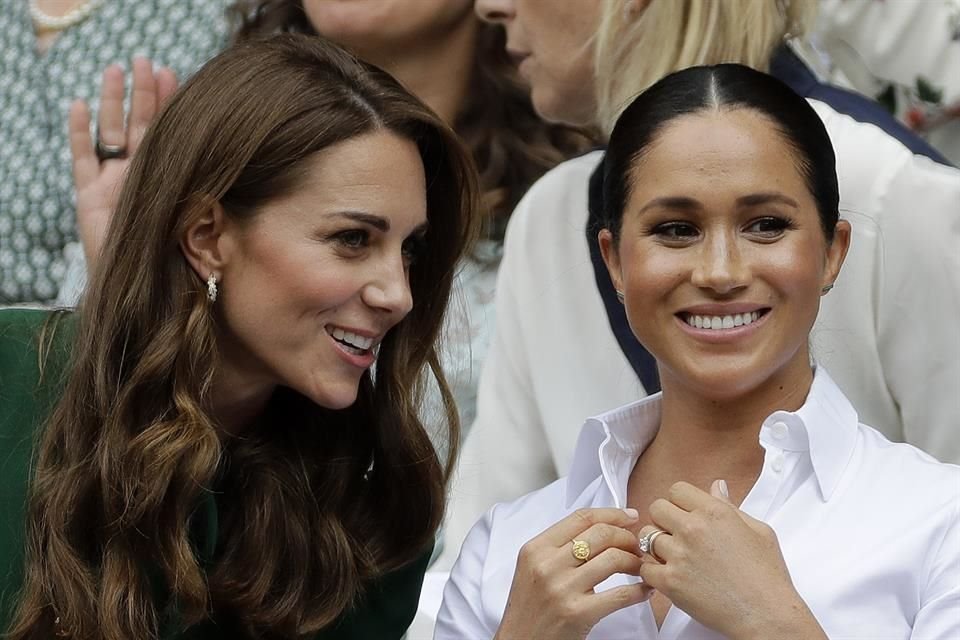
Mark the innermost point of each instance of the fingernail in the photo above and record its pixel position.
(724, 491)
(632, 513)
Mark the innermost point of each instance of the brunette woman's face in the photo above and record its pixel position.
(722, 256)
(314, 281)
(551, 41)
(365, 25)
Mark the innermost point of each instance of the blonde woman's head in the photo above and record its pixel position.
(637, 45)
(585, 59)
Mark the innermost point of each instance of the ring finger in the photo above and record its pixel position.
(660, 543)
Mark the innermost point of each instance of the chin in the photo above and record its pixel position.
(333, 399)
(552, 107)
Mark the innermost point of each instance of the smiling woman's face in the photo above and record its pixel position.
(721, 255)
(315, 280)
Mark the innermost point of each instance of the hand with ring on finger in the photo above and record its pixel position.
(553, 592)
(99, 164)
(721, 566)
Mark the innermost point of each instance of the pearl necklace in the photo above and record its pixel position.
(57, 23)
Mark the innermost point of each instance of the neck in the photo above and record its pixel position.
(703, 437)
(237, 400)
(438, 70)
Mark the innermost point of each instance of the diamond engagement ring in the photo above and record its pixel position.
(646, 544)
(580, 550)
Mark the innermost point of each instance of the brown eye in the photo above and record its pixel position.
(352, 238)
(676, 231)
(768, 227)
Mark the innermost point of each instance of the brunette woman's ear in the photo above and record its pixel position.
(206, 242)
(611, 257)
(836, 253)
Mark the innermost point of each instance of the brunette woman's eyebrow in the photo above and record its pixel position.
(682, 203)
(377, 222)
(755, 199)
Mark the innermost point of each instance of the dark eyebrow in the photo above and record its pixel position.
(381, 224)
(684, 203)
(673, 202)
(755, 199)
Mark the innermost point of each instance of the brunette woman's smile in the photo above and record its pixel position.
(721, 256)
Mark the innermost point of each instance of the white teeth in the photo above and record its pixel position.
(352, 339)
(716, 323)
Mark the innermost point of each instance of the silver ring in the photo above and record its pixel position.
(109, 151)
(646, 544)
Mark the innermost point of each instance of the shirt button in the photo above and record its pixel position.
(779, 430)
(777, 464)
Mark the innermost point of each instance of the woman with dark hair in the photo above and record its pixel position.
(216, 454)
(458, 66)
(558, 317)
(745, 500)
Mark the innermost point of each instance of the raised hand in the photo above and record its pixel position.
(552, 595)
(722, 567)
(99, 166)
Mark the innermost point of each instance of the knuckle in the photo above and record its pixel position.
(585, 516)
(677, 489)
(659, 505)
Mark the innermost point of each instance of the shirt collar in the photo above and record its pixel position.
(825, 426)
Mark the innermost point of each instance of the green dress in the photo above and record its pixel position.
(26, 397)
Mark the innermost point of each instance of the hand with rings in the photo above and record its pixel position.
(721, 566)
(100, 165)
(552, 595)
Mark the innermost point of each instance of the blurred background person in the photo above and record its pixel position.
(55, 51)
(906, 54)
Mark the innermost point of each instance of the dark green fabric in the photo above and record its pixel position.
(26, 397)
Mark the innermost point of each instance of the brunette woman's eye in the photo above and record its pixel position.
(676, 231)
(352, 239)
(769, 227)
(413, 248)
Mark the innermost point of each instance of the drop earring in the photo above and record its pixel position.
(212, 291)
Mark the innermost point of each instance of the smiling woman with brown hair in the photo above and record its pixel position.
(222, 458)
(763, 507)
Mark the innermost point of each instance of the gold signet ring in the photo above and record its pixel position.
(581, 550)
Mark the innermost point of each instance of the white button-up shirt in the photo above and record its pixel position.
(868, 528)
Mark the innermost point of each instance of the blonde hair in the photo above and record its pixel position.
(632, 53)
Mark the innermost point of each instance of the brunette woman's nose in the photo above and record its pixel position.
(390, 291)
(720, 266)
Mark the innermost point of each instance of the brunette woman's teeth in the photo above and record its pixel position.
(350, 339)
(721, 322)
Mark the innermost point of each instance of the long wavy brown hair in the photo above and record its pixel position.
(511, 145)
(314, 503)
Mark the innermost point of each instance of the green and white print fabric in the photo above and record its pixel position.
(37, 217)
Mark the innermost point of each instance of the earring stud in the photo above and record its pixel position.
(620, 296)
(826, 289)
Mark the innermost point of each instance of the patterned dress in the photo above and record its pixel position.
(37, 217)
